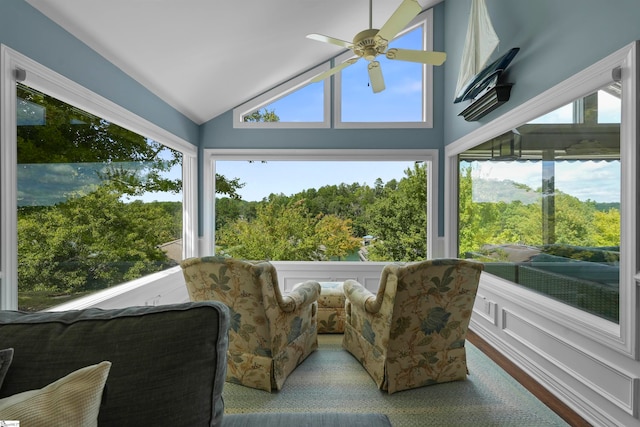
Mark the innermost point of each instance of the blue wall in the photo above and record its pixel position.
(557, 38)
(27, 31)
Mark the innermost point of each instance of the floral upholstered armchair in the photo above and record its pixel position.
(270, 334)
(412, 333)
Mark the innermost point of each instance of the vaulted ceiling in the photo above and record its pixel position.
(204, 57)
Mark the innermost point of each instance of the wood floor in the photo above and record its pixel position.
(529, 383)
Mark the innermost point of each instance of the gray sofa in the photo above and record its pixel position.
(168, 364)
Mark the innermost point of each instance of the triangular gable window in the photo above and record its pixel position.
(296, 103)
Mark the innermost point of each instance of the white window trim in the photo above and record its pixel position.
(42, 78)
(281, 92)
(210, 157)
(622, 336)
(425, 20)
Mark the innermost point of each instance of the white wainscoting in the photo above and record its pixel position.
(599, 383)
(292, 272)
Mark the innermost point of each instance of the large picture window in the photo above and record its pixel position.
(540, 204)
(98, 205)
(91, 195)
(369, 205)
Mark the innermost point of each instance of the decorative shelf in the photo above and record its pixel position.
(489, 101)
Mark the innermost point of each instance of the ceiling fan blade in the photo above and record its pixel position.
(334, 70)
(327, 39)
(375, 77)
(421, 56)
(407, 10)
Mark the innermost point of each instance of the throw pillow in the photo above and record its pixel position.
(6, 356)
(73, 400)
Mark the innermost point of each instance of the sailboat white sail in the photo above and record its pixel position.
(480, 43)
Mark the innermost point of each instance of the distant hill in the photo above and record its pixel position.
(604, 207)
(492, 191)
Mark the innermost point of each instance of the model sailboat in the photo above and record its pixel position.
(480, 43)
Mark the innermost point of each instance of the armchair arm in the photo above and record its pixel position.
(360, 297)
(301, 295)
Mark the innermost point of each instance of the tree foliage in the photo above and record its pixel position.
(287, 232)
(573, 222)
(264, 115)
(56, 132)
(51, 131)
(397, 219)
(394, 212)
(91, 242)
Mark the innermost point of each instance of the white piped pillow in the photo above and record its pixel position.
(73, 400)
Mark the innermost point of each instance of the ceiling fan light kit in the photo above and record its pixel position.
(370, 43)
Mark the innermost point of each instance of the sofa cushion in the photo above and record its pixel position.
(73, 400)
(168, 362)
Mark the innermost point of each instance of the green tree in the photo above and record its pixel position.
(574, 220)
(229, 209)
(398, 219)
(606, 228)
(91, 242)
(264, 115)
(134, 164)
(287, 232)
(335, 237)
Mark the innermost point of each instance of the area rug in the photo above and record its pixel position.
(331, 380)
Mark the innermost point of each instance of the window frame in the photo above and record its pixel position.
(210, 156)
(425, 20)
(621, 65)
(51, 83)
(281, 92)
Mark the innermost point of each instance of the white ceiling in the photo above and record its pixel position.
(205, 57)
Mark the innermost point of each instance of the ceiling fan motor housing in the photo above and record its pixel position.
(365, 46)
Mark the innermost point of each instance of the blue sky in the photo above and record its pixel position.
(291, 177)
(401, 101)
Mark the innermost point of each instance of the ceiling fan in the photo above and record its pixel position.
(370, 43)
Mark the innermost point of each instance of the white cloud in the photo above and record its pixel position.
(594, 180)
